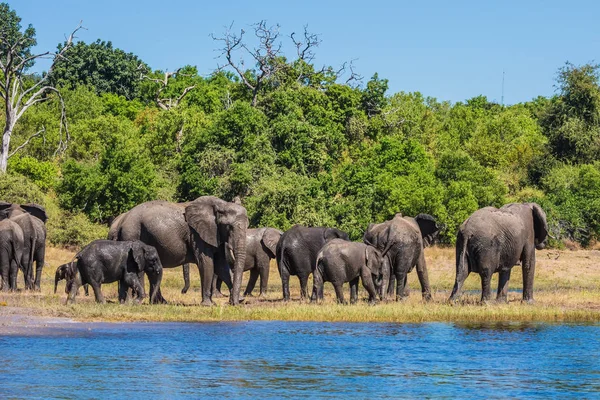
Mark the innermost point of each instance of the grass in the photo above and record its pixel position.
(567, 289)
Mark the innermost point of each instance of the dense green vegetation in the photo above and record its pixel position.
(311, 150)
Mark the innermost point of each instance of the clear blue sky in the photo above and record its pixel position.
(451, 50)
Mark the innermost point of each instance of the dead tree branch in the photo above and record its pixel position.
(168, 103)
(17, 95)
(26, 142)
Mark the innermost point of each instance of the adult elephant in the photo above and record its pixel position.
(402, 240)
(494, 240)
(32, 220)
(261, 247)
(297, 253)
(207, 231)
(11, 253)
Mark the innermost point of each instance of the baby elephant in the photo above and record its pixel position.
(341, 261)
(107, 261)
(61, 273)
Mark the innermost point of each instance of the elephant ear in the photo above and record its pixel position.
(428, 227)
(539, 222)
(270, 239)
(372, 257)
(201, 217)
(333, 233)
(36, 210)
(3, 209)
(136, 252)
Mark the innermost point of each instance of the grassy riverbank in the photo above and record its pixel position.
(567, 288)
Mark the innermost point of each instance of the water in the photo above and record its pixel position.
(293, 359)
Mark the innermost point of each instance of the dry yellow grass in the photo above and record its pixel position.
(567, 288)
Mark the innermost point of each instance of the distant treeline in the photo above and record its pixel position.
(300, 145)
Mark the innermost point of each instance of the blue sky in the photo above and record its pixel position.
(451, 50)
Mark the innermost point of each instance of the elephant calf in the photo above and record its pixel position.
(107, 261)
(341, 261)
(62, 272)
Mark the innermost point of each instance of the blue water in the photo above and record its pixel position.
(307, 359)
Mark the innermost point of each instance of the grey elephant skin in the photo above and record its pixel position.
(32, 220)
(62, 272)
(11, 253)
(208, 231)
(402, 240)
(297, 253)
(494, 240)
(261, 247)
(107, 261)
(340, 261)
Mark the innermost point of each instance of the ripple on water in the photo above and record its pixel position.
(293, 359)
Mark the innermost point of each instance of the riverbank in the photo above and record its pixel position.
(567, 289)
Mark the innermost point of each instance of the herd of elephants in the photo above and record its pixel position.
(214, 234)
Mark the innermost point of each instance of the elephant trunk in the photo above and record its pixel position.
(239, 253)
(56, 280)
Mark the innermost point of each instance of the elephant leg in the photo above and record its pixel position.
(13, 275)
(285, 283)
(186, 278)
(40, 259)
(123, 289)
(528, 273)
(367, 281)
(400, 282)
(251, 282)
(391, 285)
(354, 290)
(206, 270)
(339, 293)
(406, 288)
(75, 283)
(98, 292)
(4, 269)
(264, 280)
(423, 277)
(132, 281)
(502, 295)
(303, 284)
(486, 286)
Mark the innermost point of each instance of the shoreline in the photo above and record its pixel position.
(566, 290)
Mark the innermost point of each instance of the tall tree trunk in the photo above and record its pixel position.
(5, 147)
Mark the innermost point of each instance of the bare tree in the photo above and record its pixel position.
(168, 103)
(20, 93)
(266, 55)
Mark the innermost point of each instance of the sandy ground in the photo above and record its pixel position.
(19, 321)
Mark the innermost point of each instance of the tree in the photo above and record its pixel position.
(267, 55)
(18, 89)
(572, 120)
(166, 99)
(99, 64)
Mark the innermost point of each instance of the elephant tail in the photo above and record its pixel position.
(462, 257)
(15, 253)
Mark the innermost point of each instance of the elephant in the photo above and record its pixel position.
(261, 247)
(402, 240)
(341, 261)
(297, 253)
(32, 220)
(62, 272)
(494, 240)
(107, 261)
(208, 231)
(11, 253)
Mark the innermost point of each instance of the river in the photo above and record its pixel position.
(302, 359)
